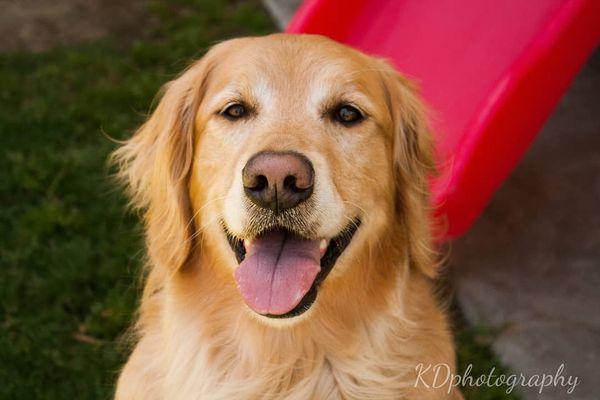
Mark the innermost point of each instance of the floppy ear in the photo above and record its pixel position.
(413, 165)
(155, 165)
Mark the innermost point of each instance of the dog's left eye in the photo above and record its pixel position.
(348, 115)
(234, 111)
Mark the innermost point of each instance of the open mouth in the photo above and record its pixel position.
(280, 271)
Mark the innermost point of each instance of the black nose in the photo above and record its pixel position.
(278, 180)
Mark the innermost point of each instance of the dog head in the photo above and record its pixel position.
(287, 158)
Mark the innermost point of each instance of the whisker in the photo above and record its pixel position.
(204, 206)
(355, 205)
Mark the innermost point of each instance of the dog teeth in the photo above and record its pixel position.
(247, 243)
(323, 245)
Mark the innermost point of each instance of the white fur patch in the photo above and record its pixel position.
(264, 94)
(234, 211)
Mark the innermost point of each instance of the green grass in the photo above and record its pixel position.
(69, 253)
(473, 347)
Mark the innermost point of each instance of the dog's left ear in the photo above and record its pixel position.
(413, 166)
(155, 165)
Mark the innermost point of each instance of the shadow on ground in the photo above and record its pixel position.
(39, 25)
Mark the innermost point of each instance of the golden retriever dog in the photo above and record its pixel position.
(284, 188)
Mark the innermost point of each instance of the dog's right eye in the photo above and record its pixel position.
(234, 111)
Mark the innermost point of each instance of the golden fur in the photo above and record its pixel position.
(375, 317)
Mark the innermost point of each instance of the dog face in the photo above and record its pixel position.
(287, 159)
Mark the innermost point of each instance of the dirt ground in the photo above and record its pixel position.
(38, 25)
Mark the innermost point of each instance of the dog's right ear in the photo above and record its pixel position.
(155, 166)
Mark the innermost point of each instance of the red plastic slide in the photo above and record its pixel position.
(491, 72)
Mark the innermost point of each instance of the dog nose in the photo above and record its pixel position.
(278, 180)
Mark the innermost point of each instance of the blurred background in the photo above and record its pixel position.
(75, 72)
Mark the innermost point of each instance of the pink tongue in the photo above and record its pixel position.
(278, 270)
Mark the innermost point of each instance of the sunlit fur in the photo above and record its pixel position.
(375, 317)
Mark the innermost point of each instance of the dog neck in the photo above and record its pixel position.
(360, 331)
